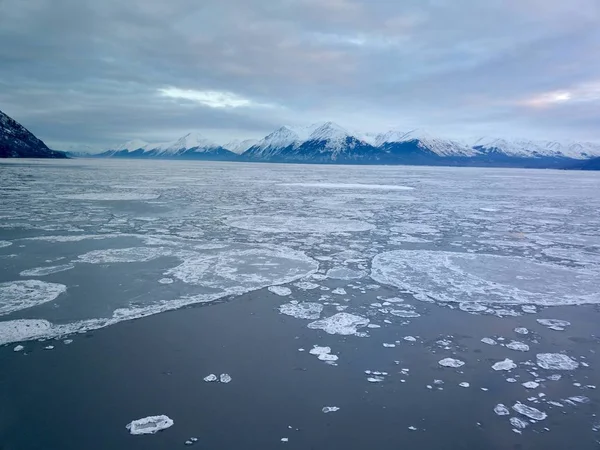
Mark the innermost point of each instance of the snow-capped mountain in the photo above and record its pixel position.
(191, 145)
(239, 146)
(526, 148)
(16, 141)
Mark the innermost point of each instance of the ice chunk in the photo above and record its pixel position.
(339, 291)
(328, 409)
(521, 330)
(554, 324)
(530, 309)
(518, 346)
(529, 411)
(556, 361)
(22, 294)
(482, 278)
(303, 310)
(501, 410)
(488, 341)
(472, 307)
(225, 378)
(451, 362)
(284, 439)
(403, 313)
(519, 424)
(291, 224)
(410, 338)
(125, 255)
(166, 281)
(282, 291)
(580, 399)
(210, 378)
(306, 285)
(507, 364)
(5, 244)
(343, 273)
(464, 384)
(18, 348)
(149, 425)
(413, 228)
(531, 384)
(341, 323)
(43, 271)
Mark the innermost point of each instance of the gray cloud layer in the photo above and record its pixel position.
(101, 72)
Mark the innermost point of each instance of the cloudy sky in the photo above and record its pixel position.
(100, 72)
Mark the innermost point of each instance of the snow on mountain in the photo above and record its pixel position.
(426, 141)
(333, 137)
(132, 145)
(526, 148)
(16, 141)
(191, 141)
(239, 146)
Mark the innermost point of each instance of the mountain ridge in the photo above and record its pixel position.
(16, 141)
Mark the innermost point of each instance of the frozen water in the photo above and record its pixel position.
(166, 281)
(124, 255)
(488, 341)
(518, 346)
(519, 424)
(22, 294)
(466, 277)
(507, 364)
(343, 273)
(5, 244)
(291, 224)
(150, 425)
(521, 330)
(18, 348)
(451, 362)
(225, 378)
(210, 378)
(575, 255)
(531, 384)
(554, 324)
(410, 338)
(110, 196)
(339, 291)
(387, 345)
(323, 353)
(413, 228)
(341, 323)
(328, 409)
(472, 307)
(43, 271)
(556, 361)
(303, 310)
(529, 411)
(464, 384)
(385, 187)
(501, 410)
(282, 291)
(306, 285)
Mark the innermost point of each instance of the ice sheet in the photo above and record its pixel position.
(22, 294)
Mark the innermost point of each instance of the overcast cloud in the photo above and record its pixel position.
(100, 72)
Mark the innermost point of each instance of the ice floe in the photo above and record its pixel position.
(554, 324)
(341, 323)
(149, 425)
(124, 255)
(282, 291)
(110, 196)
(571, 254)
(451, 362)
(323, 353)
(306, 285)
(210, 378)
(488, 341)
(412, 228)
(507, 364)
(531, 385)
(343, 273)
(225, 378)
(339, 291)
(291, 224)
(529, 411)
(410, 338)
(303, 310)
(483, 278)
(556, 361)
(329, 409)
(22, 294)
(384, 187)
(43, 271)
(519, 424)
(18, 348)
(166, 281)
(521, 330)
(464, 384)
(5, 244)
(501, 410)
(518, 346)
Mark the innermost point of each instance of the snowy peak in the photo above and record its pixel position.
(190, 141)
(16, 141)
(238, 146)
(131, 146)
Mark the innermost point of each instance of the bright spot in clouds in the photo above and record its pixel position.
(213, 99)
(548, 99)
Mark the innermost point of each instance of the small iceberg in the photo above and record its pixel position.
(150, 424)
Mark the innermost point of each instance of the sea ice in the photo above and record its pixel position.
(323, 353)
(385, 187)
(386, 345)
(488, 341)
(149, 425)
(554, 324)
(521, 330)
(291, 224)
(451, 362)
(339, 291)
(18, 348)
(556, 361)
(306, 285)
(124, 255)
(225, 378)
(412, 228)
(518, 346)
(328, 409)
(166, 281)
(529, 411)
(43, 271)
(464, 384)
(22, 294)
(110, 196)
(343, 273)
(472, 307)
(410, 338)
(303, 310)
(501, 410)
(5, 244)
(210, 378)
(282, 291)
(507, 364)
(483, 278)
(519, 424)
(341, 323)
(531, 384)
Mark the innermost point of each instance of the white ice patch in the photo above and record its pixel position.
(501, 410)
(507, 364)
(329, 409)
(472, 307)
(554, 324)
(521, 330)
(575, 255)
(225, 378)
(410, 338)
(306, 285)
(18, 348)
(22, 294)
(384, 187)
(43, 271)
(343, 273)
(291, 224)
(411, 228)
(531, 385)
(451, 362)
(518, 346)
(344, 324)
(5, 244)
(210, 378)
(519, 424)
(529, 411)
(303, 310)
(339, 291)
(323, 353)
(149, 425)
(464, 384)
(166, 281)
(111, 196)
(124, 255)
(556, 361)
(282, 291)
(466, 277)
(488, 341)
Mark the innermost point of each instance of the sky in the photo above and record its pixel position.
(101, 72)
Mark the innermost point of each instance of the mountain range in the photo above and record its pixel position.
(16, 141)
(329, 143)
